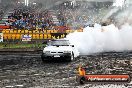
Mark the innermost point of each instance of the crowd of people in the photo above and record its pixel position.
(24, 17)
(82, 14)
(68, 15)
(28, 18)
(3, 8)
(73, 16)
(1, 13)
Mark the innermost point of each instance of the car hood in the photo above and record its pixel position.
(58, 48)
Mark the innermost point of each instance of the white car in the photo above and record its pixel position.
(61, 49)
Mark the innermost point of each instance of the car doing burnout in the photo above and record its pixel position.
(61, 49)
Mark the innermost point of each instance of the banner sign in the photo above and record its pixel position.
(26, 37)
(1, 37)
(58, 35)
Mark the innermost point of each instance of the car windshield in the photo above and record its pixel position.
(59, 42)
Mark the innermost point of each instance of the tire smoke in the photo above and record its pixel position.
(102, 39)
(106, 38)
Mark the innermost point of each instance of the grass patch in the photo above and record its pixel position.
(5, 45)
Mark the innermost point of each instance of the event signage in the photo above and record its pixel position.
(26, 37)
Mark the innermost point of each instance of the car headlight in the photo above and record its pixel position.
(47, 52)
(67, 51)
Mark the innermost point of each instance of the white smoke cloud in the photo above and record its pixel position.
(101, 39)
(106, 38)
(119, 3)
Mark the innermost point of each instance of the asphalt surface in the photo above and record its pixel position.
(26, 70)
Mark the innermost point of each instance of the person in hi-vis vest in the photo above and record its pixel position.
(81, 71)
